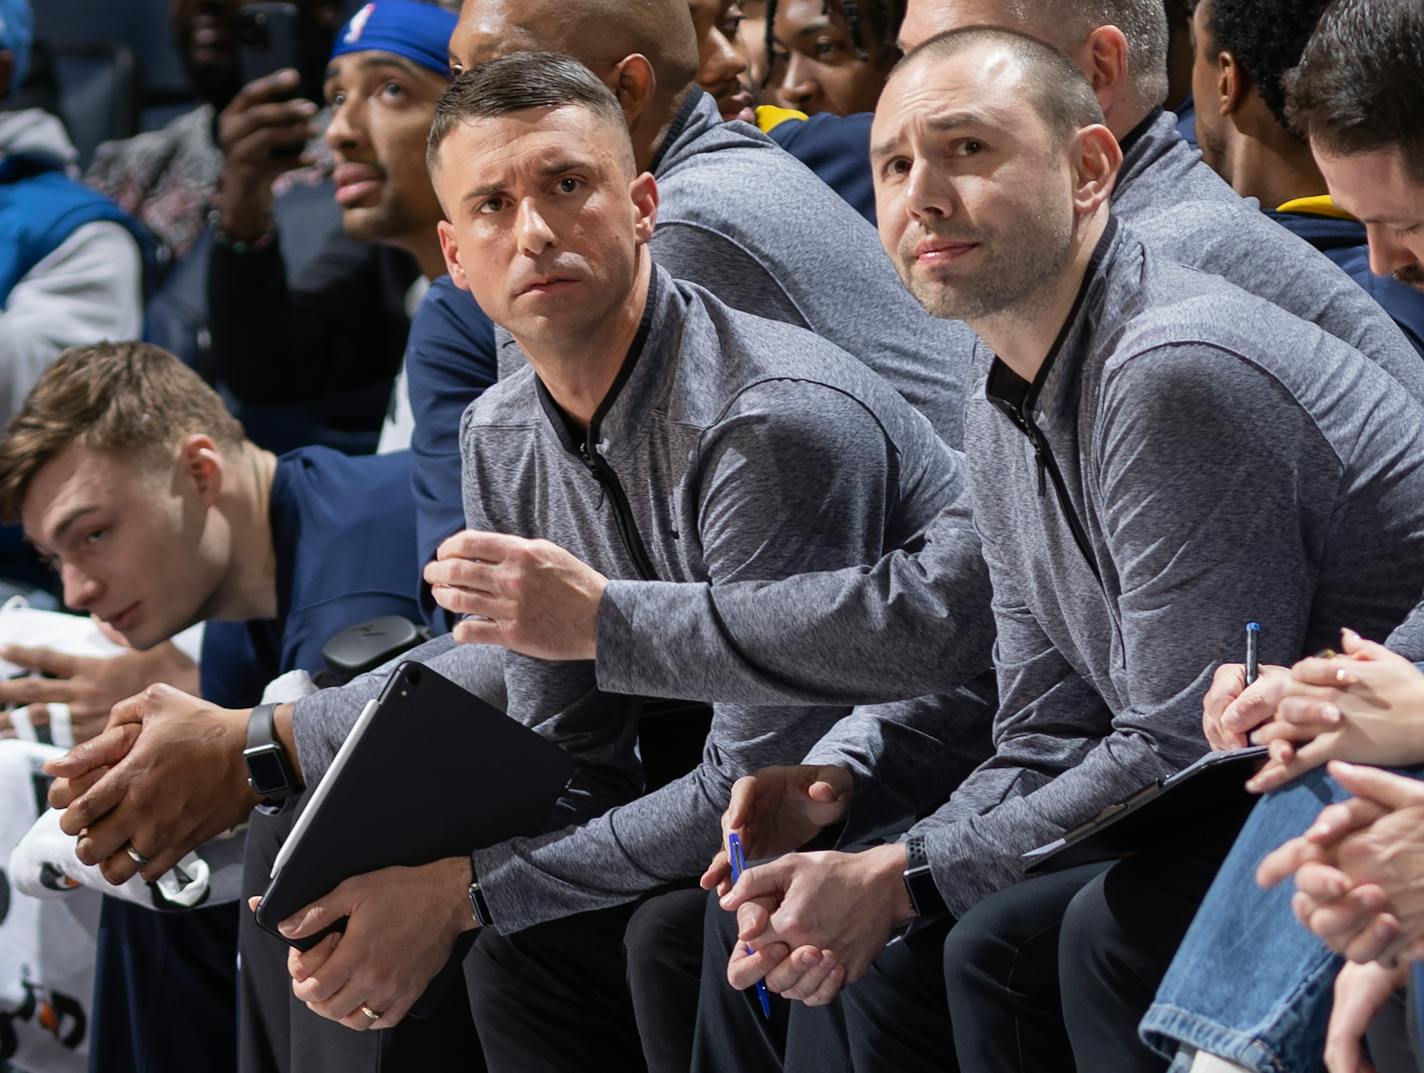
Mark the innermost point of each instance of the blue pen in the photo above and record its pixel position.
(739, 864)
(1253, 653)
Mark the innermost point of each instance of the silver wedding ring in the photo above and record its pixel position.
(135, 856)
(372, 1014)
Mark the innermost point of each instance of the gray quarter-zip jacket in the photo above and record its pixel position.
(729, 448)
(1187, 460)
(904, 627)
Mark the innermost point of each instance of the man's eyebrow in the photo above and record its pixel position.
(558, 167)
(70, 517)
(943, 123)
(816, 27)
(372, 62)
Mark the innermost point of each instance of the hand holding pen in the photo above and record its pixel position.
(739, 864)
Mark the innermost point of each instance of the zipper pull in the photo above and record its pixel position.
(588, 459)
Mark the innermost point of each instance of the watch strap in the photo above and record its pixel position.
(479, 904)
(262, 726)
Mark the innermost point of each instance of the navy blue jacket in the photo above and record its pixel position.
(1344, 242)
(343, 529)
(449, 362)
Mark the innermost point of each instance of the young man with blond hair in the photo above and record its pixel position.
(133, 480)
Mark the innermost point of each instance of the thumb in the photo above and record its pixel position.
(1355, 645)
(831, 784)
(1383, 787)
(319, 915)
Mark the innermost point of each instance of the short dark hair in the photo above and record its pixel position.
(1059, 93)
(515, 83)
(1267, 38)
(132, 400)
(1360, 83)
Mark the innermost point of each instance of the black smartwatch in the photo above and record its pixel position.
(925, 897)
(269, 772)
(478, 903)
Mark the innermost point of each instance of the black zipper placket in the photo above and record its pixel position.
(1045, 463)
(622, 510)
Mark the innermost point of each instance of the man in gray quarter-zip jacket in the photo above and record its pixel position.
(1158, 457)
(767, 643)
(664, 435)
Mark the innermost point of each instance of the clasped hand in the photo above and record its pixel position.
(165, 776)
(813, 921)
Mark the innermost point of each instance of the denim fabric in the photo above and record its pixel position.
(1249, 983)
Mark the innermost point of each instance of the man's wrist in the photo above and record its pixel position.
(456, 875)
(245, 210)
(890, 862)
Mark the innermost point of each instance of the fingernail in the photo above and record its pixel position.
(1320, 830)
(1349, 633)
(726, 900)
(809, 958)
(1231, 718)
(287, 927)
(1330, 713)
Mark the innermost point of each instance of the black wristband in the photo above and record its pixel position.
(269, 771)
(479, 905)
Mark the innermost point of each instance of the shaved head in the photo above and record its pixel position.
(1064, 24)
(1056, 89)
(597, 33)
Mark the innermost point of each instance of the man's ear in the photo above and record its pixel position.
(1102, 58)
(634, 84)
(200, 461)
(1230, 83)
(1096, 158)
(450, 248)
(644, 192)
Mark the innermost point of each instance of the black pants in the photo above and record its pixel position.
(278, 1034)
(1119, 937)
(663, 945)
(555, 997)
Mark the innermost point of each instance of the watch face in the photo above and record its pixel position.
(265, 768)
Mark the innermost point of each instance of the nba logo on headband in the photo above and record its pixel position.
(358, 24)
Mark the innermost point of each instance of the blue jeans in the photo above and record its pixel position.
(1249, 984)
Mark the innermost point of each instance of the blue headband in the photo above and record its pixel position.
(16, 35)
(419, 32)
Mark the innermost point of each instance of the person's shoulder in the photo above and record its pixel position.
(763, 357)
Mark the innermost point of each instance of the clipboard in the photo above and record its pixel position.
(428, 771)
(1214, 785)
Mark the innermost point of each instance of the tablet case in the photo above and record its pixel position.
(434, 772)
(1210, 790)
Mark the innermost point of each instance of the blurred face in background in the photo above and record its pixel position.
(721, 69)
(816, 66)
(205, 34)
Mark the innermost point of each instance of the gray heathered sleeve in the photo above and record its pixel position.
(825, 503)
(916, 623)
(906, 758)
(1408, 637)
(321, 721)
(1209, 514)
